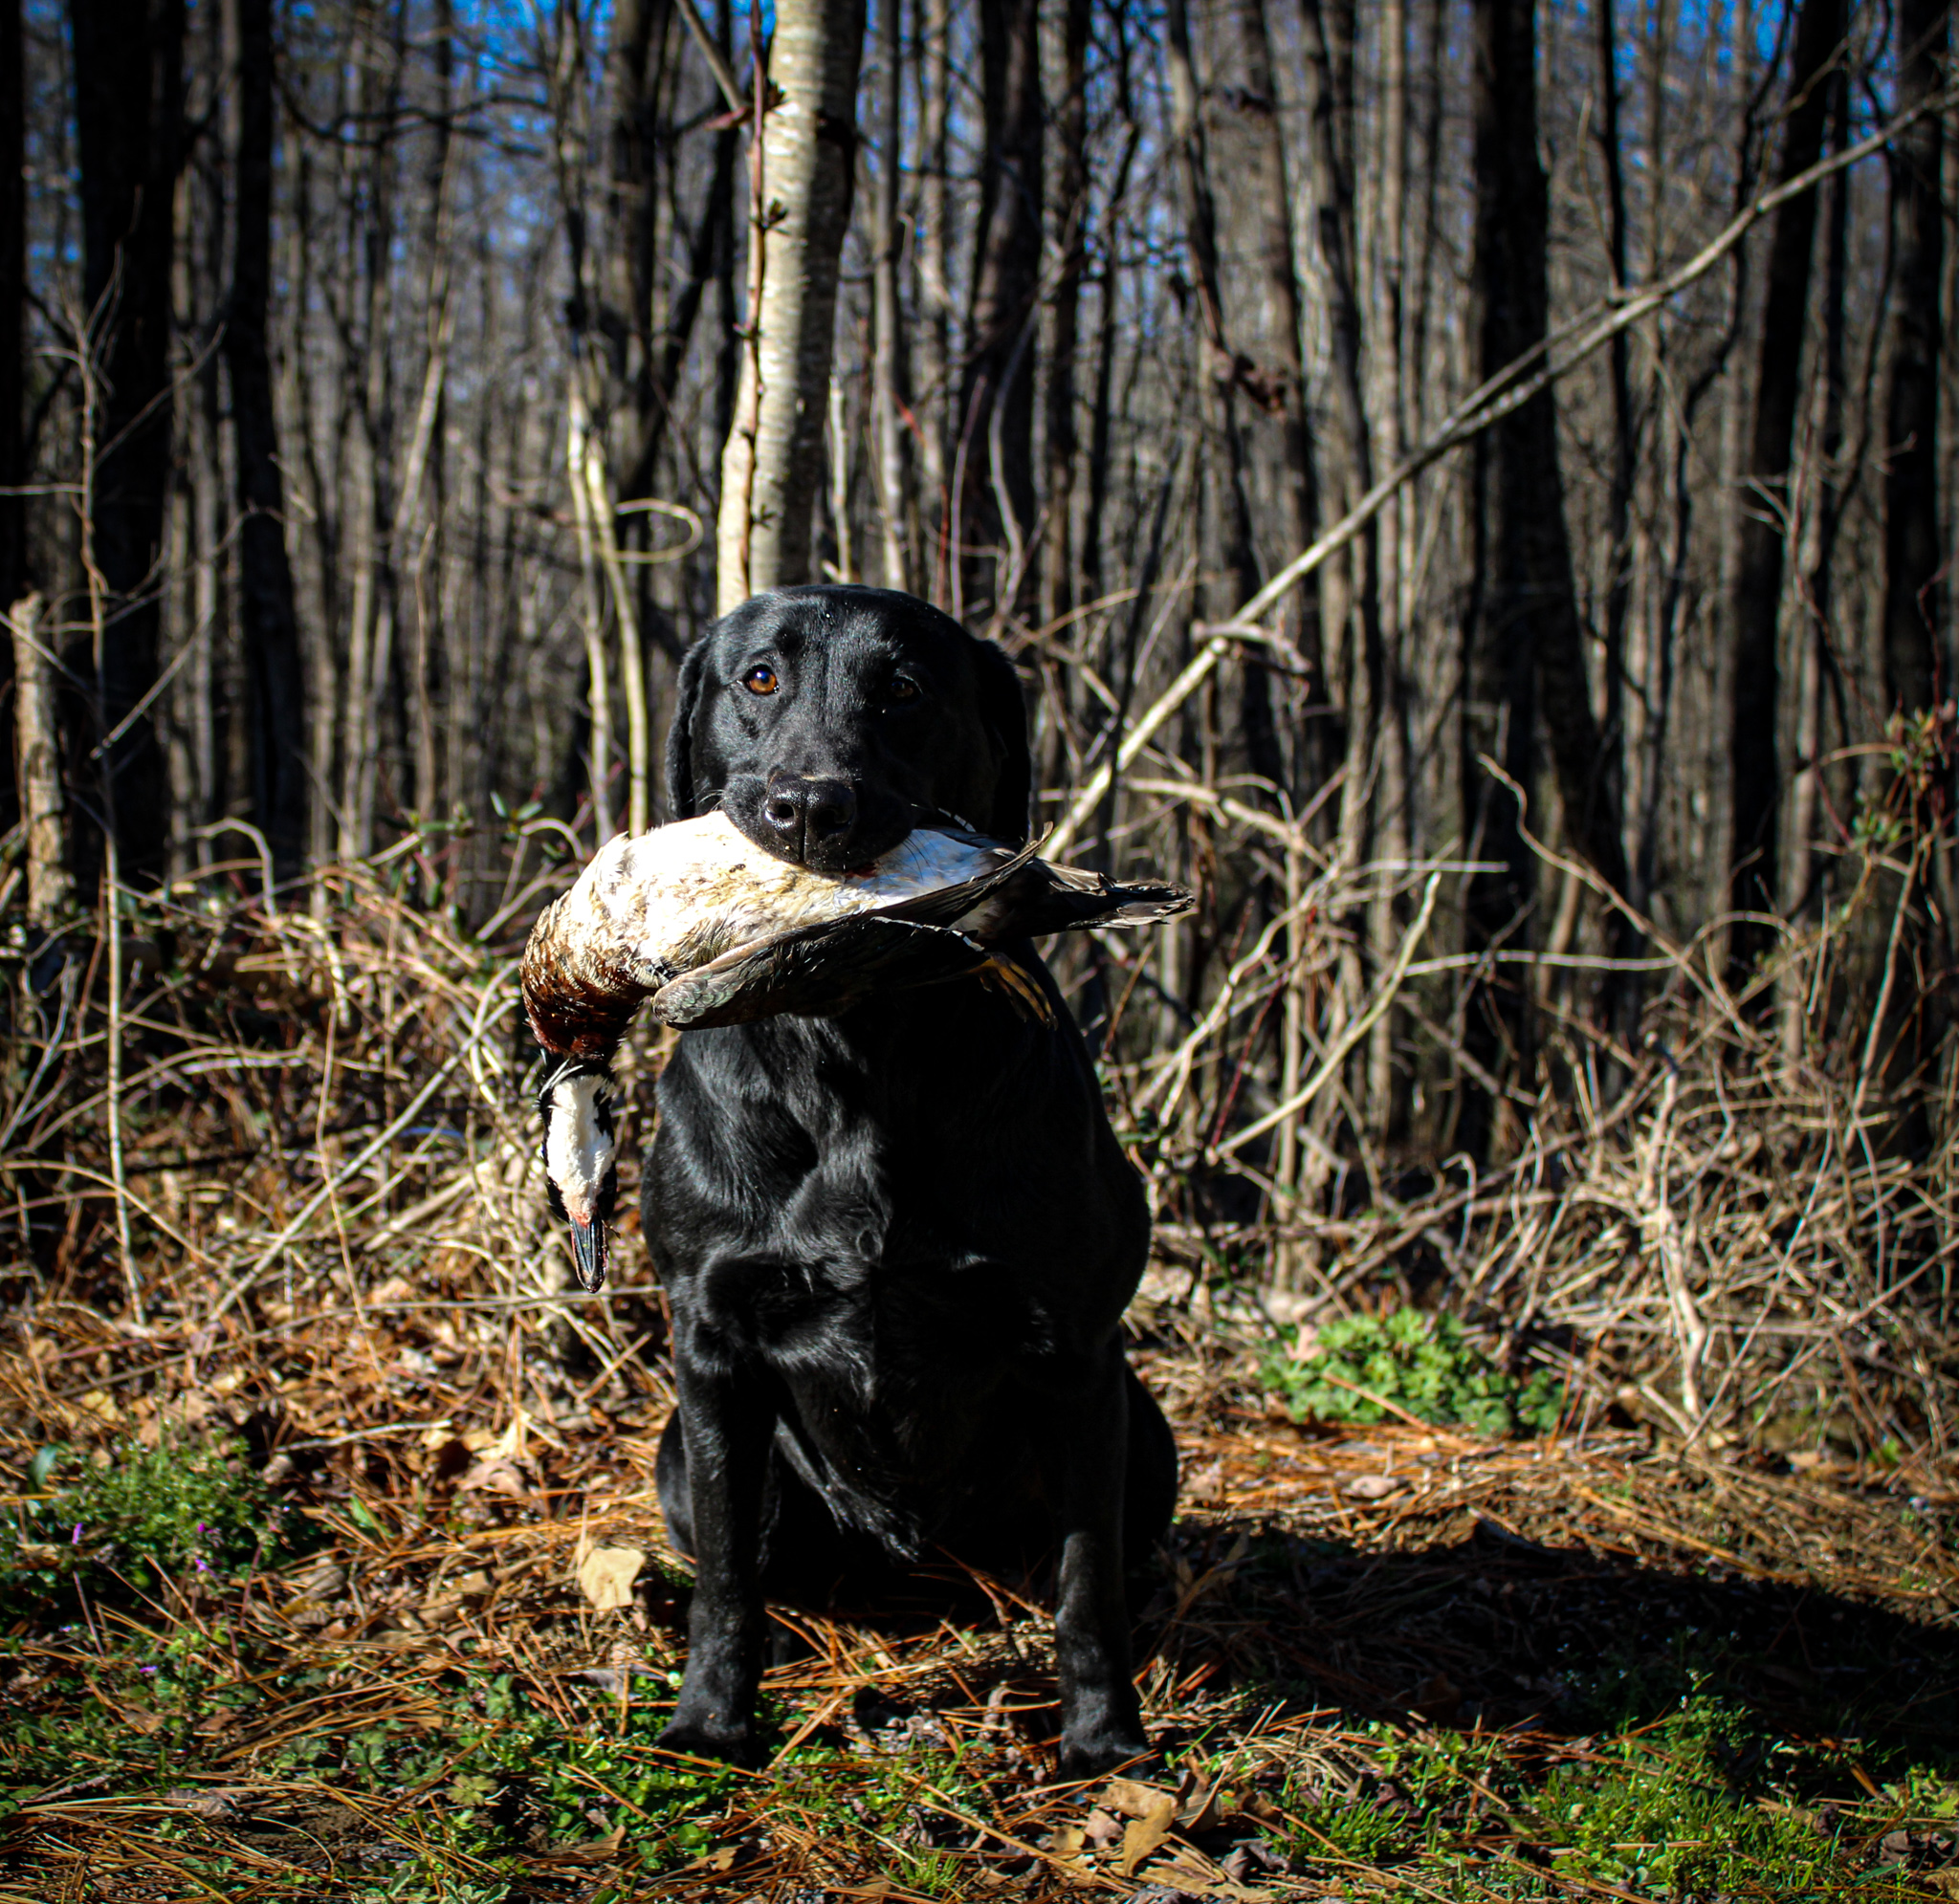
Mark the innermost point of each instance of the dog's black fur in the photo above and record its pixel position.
(897, 1243)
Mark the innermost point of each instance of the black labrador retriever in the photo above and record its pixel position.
(897, 1242)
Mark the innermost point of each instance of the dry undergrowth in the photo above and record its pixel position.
(1373, 1657)
(1331, 1598)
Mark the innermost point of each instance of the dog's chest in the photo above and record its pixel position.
(879, 1330)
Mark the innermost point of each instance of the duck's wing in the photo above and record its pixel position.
(1037, 898)
(825, 969)
(818, 971)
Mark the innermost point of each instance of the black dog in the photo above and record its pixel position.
(897, 1243)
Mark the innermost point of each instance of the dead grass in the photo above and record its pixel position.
(1336, 1607)
(1699, 1644)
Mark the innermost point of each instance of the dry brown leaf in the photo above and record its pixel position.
(321, 1580)
(1373, 1487)
(1202, 1810)
(588, 1851)
(1197, 1877)
(497, 1477)
(605, 1576)
(513, 1443)
(1142, 1836)
(1131, 1798)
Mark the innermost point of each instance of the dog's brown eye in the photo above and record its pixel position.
(761, 680)
(904, 691)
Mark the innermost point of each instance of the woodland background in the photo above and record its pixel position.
(389, 393)
(1471, 487)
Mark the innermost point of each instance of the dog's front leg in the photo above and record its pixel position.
(726, 1422)
(1100, 1720)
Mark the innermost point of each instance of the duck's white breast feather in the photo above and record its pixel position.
(687, 892)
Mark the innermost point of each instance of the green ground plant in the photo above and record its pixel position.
(1686, 1807)
(123, 1521)
(1372, 1368)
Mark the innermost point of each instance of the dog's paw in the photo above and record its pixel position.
(1090, 1754)
(704, 1739)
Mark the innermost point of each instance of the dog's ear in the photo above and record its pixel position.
(1003, 708)
(680, 734)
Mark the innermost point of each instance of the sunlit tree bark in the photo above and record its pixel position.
(773, 463)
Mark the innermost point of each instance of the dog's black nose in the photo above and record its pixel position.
(804, 813)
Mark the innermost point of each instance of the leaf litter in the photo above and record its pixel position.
(1652, 1651)
(1339, 1603)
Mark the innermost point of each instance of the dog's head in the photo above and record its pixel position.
(822, 719)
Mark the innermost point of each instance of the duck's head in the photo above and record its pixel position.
(580, 1160)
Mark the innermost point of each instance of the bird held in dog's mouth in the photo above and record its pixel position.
(714, 931)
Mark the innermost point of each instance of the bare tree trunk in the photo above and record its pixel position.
(710, 259)
(435, 727)
(129, 85)
(1108, 298)
(270, 627)
(1916, 569)
(1813, 634)
(37, 753)
(12, 302)
(598, 674)
(1224, 371)
(1619, 513)
(727, 253)
(1330, 66)
(1525, 640)
(1397, 775)
(934, 254)
(1757, 599)
(1270, 194)
(1912, 559)
(636, 52)
(887, 374)
(993, 465)
(1071, 210)
(773, 463)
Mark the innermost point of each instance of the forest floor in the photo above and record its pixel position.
(369, 1655)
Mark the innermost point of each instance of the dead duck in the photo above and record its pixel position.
(700, 925)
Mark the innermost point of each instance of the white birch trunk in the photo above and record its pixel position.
(800, 204)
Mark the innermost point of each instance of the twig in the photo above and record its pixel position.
(394, 1129)
(112, 900)
(1357, 1030)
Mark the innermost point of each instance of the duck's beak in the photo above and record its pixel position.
(588, 1253)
